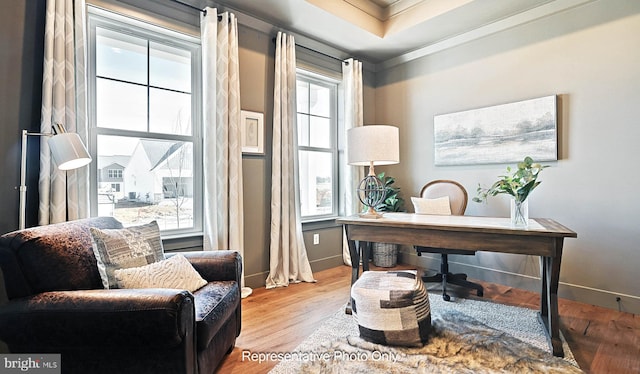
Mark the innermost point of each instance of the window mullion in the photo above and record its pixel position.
(315, 149)
(148, 86)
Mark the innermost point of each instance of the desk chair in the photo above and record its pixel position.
(458, 204)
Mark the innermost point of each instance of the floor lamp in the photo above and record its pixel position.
(67, 150)
(372, 145)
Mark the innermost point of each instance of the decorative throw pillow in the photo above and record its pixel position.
(125, 248)
(174, 272)
(439, 206)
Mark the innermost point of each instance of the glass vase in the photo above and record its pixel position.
(519, 213)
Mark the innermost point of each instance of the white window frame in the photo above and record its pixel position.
(333, 85)
(126, 25)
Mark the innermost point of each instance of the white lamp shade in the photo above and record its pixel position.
(68, 151)
(379, 144)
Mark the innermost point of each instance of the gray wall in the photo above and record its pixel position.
(21, 44)
(21, 54)
(589, 56)
(256, 81)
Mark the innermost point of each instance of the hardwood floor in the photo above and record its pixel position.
(602, 340)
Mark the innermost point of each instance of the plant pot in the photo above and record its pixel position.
(385, 254)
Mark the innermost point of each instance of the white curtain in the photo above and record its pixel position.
(223, 204)
(63, 195)
(288, 255)
(352, 83)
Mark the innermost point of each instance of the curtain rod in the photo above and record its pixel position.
(203, 11)
(318, 52)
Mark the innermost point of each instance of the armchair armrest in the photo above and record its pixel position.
(216, 265)
(98, 318)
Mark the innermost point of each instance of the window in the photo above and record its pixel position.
(144, 104)
(114, 173)
(317, 145)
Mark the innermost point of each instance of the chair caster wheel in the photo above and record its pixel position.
(446, 297)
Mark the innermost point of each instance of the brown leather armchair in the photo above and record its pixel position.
(57, 305)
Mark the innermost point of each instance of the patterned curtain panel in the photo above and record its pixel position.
(63, 195)
(288, 256)
(223, 205)
(352, 175)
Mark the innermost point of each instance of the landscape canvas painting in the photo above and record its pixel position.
(498, 134)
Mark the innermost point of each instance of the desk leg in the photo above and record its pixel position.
(365, 250)
(544, 294)
(356, 249)
(550, 274)
(354, 254)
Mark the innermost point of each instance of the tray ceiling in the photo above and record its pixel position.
(380, 30)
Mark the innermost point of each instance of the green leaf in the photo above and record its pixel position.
(518, 184)
(392, 201)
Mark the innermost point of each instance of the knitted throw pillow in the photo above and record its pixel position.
(174, 272)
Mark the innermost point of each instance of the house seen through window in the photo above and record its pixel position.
(143, 100)
(317, 145)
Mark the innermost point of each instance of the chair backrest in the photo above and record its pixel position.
(51, 258)
(440, 188)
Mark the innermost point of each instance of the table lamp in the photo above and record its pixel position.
(372, 145)
(67, 150)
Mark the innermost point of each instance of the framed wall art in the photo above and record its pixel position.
(252, 132)
(498, 134)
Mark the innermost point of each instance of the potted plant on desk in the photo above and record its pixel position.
(519, 185)
(386, 254)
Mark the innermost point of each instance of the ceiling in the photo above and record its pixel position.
(380, 30)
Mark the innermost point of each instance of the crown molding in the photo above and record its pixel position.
(530, 15)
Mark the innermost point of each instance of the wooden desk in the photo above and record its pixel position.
(543, 237)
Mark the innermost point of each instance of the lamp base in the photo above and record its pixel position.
(370, 214)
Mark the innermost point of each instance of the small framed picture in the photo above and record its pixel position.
(252, 132)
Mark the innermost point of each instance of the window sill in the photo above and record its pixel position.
(184, 242)
(324, 223)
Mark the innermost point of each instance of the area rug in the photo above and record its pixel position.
(469, 336)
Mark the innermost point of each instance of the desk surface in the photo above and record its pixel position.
(537, 227)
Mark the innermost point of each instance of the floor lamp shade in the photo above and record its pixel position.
(68, 151)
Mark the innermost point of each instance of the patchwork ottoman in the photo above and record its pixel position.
(391, 308)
